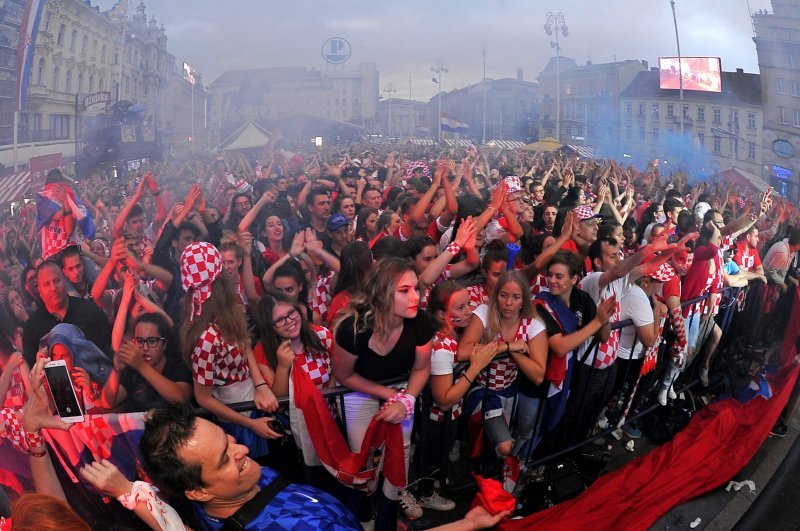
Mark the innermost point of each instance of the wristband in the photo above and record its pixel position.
(34, 439)
(156, 193)
(453, 248)
(464, 374)
(259, 385)
(405, 399)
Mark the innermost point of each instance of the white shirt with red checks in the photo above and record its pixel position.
(321, 298)
(318, 364)
(443, 361)
(538, 285)
(606, 352)
(55, 238)
(477, 296)
(215, 362)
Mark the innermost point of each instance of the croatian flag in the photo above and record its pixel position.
(453, 125)
(26, 47)
(52, 198)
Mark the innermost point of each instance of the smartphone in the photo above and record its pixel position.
(62, 391)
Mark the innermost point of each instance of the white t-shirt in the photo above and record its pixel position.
(635, 306)
(591, 285)
(532, 327)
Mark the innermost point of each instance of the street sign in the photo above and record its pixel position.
(336, 50)
(96, 101)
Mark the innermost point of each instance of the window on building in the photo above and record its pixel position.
(641, 133)
(80, 83)
(751, 120)
(48, 19)
(701, 114)
(91, 83)
(61, 30)
(568, 89)
(40, 72)
(103, 54)
(795, 88)
(655, 134)
(56, 80)
(779, 86)
(717, 115)
(733, 118)
(102, 85)
(84, 44)
(68, 82)
(685, 111)
(670, 110)
(717, 143)
(655, 110)
(73, 41)
(701, 139)
(796, 120)
(628, 109)
(628, 132)
(783, 115)
(59, 126)
(641, 109)
(751, 150)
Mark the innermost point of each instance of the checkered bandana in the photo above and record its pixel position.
(513, 184)
(663, 274)
(585, 212)
(201, 264)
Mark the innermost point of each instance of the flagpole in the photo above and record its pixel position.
(16, 126)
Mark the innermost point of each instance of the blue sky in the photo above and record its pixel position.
(405, 38)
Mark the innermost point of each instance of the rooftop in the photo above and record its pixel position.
(737, 87)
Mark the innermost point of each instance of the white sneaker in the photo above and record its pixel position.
(409, 505)
(662, 395)
(455, 452)
(672, 394)
(704, 376)
(437, 502)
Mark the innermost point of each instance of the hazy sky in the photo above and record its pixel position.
(405, 38)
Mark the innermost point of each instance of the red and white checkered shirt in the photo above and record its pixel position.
(501, 373)
(321, 298)
(318, 364)
(477, 295)
(445, 348)
(216, 362)
(55, 238)
(15, 396)
(538, 285)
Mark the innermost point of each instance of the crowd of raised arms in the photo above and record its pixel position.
(462, 298)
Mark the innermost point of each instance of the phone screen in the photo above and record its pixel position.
(62, 391)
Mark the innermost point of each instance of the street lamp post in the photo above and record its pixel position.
(439, 69)
(555, 21)
(680, 69)
(390, 90)
(121, 59)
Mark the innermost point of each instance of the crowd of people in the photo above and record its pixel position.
(464, 299)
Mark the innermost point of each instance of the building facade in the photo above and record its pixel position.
(494, 109)
(589, 101)
(777, 39)
(720, 129)
(401, 118)
(80, 50)
(268, 94)
(10, 19)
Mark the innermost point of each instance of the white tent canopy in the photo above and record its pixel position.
(248, 136)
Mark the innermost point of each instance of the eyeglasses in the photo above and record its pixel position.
(149, 341)
(280, 322)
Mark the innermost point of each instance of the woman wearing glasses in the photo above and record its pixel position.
(288, 341)
(148, 371)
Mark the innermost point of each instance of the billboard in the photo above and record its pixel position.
(699, 73)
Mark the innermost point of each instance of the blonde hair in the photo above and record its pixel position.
(371, 307)
(526, 312)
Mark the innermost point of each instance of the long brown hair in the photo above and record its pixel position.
(40, 512)
(372, 307)
(525, 312)
(222, 310)
(267, 333)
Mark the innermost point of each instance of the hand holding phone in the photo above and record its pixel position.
(62, 391)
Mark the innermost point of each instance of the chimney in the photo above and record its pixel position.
(740, 71)
(520, 77)
(644, 64)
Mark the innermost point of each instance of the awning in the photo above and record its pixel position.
(14, 187)
(744, 178)
(584, 151)
(546, 144)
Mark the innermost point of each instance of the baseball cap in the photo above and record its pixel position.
(585, 212)
(337, 221)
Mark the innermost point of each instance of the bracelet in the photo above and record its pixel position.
(404, 398)
(464, 374)
(259, 385)
(453, 248)
(39, 453)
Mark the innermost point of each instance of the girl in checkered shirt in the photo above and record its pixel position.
(287, 341)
